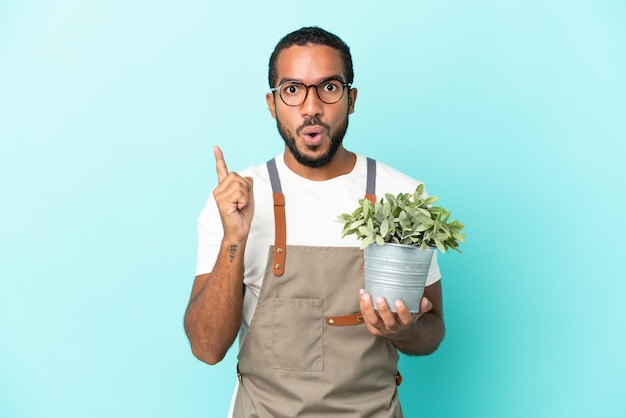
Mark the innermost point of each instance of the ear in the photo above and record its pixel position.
(271, 104)
(351, 100)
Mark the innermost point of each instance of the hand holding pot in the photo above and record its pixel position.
(235, 199)
(393, 326)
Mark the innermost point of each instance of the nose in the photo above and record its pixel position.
(312, 105)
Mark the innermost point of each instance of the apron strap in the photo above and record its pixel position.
(280, 234)
(370, 189)
(274, 179)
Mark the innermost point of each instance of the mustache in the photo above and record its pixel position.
(314, 121)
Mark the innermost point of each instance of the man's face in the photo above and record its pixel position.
(313, 131)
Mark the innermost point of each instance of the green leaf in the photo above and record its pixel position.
(384, 228)
(365, 230)
(367, 241)
(441, 237)
(367, 209)
(419, 191)
(458, 236)
(356, 224)
(440, 246)
(422, 227)
(430, 200)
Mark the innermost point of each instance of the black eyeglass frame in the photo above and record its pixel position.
(307, 87)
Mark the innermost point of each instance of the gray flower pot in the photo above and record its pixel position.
(397, 271)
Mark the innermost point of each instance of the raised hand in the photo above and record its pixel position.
(235, 199)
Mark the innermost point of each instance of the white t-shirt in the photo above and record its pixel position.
(311, 208)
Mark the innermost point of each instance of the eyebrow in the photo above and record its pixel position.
(332, 77)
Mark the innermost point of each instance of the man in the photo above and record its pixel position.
(272, 265)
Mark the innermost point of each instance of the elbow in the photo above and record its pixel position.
(203, 349)
(431, 348)
(207, 345)
(426, 342)
(436, 340)
(434, 346)
(207, 356)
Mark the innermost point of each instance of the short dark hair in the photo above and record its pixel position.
(313, 35)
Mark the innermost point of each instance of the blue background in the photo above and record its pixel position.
(513, 113)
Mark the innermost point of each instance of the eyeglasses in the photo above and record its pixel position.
(294, 93)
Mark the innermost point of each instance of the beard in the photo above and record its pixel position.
(314, 162)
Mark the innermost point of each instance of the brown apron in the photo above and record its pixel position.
(307, 352)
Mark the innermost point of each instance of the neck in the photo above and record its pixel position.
(342, 163)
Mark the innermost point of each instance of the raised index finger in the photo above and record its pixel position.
(220, 164)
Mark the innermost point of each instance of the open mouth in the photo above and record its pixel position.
(313, 135)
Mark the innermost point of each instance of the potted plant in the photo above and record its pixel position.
(399, 235)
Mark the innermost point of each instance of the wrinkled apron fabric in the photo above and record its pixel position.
(298, 359)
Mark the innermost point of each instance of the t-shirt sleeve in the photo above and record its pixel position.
(210, 235)
(434, 275)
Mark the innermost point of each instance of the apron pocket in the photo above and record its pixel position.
(297, 332)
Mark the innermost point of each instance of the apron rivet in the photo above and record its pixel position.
(279, 250)
(331, 321)
(278, 266)
(359, 318)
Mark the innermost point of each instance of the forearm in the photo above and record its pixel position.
(423, 337)
(214, 312)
